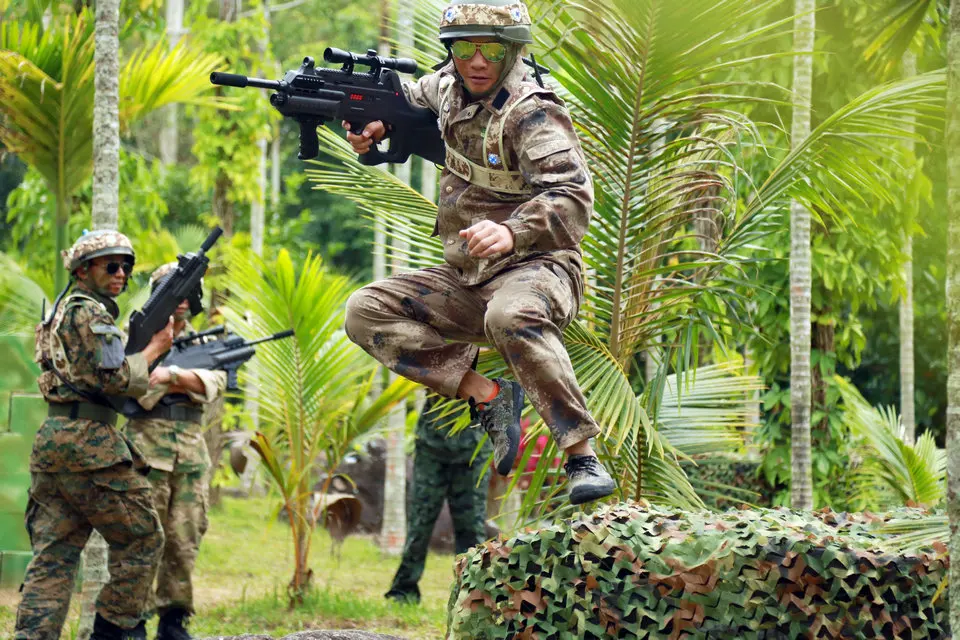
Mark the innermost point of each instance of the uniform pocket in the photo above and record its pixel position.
(121, 506)
(571, 289)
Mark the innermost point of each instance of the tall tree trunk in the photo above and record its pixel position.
(106, 203)
(953, 308)
(801, 489)
(395, 480)
(907, 411)
(170, 134)
(106, 115)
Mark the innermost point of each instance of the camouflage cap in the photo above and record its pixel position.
(93, 244)
(504, 19)
(161, 272)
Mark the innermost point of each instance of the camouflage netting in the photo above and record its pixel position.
(634, 571)
(725, 481)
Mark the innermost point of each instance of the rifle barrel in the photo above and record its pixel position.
(237, 80)
(277, 336)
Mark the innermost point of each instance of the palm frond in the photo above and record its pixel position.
(21, 300)
(707, 409)
(915, 474)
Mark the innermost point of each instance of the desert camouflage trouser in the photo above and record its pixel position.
(421, 325)
(181, 501)
(435, 479)
(62, 511)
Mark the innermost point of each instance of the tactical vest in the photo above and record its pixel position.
(495, 174)
(49, 351)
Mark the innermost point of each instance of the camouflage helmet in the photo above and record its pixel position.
(160, 273)
(506, 20)
(93, 244)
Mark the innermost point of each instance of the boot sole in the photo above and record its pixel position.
(583, 494)
(513, 433)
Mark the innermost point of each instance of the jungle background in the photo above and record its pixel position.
(684, 341)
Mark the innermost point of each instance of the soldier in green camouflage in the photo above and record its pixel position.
(85, 474)
(444, 468)
(168, 430)
(515, 202)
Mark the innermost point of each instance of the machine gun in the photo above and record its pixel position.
(226, 354)
(313, 97)
(182, 283)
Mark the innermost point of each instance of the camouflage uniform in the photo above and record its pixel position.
(512, 158)
(442, 469)
(85, 474)
(170, 435)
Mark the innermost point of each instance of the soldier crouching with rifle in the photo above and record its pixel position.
(166, 425)
(85, 474)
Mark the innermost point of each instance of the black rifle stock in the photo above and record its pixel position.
(183, 283)
(224, 355)
(313, 97)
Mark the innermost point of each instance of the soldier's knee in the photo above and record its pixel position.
(506, 318)
(356, 317)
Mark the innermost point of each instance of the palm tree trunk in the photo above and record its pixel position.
(393, 534)
(106, 116)
(106, 203)
(953, 307)
(801, 490)
(170, 134)
(907, 411)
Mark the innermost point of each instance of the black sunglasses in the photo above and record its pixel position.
(113, 267)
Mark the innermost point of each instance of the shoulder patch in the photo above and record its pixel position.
(111, 345)
(549, 147)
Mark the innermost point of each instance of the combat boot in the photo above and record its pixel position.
(501, 419)
(173, 625)
(588, 479)
(103, 629)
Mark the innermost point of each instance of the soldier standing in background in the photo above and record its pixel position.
(169, 432)
(85, 474)
(515, 202)
(442, 469)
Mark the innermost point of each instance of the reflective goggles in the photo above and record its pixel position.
(465, 50)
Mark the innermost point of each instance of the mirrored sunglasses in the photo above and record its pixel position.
(465, 50)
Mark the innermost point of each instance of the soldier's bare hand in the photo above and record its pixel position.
(160, 375)
(372, 134)
(160, 343)
(487, 239)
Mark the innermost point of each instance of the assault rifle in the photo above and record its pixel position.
(226, 354)
(313, 97)
(182, 283)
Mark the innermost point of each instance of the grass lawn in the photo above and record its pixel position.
(245, 564)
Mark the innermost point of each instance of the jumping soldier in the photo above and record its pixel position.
(515, 202)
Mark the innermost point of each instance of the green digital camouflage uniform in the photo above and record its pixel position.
(170, 436)
(85, 474)
(512, 158)
(442, 470)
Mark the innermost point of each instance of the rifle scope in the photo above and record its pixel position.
(370, 59)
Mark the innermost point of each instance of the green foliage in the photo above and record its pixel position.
(312, 389)
(892, 471)
(727, 480)
(225, 146)
(638, 571)
(31, 212)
